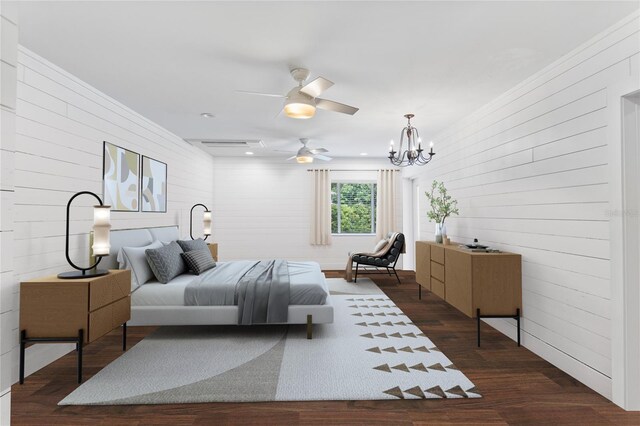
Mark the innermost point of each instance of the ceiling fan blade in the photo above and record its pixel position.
(316, 87)
(291, 158)
(319, 150)
(335, 106)
(322, 157)
(246, 92)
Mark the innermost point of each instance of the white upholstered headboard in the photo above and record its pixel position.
(136, 238)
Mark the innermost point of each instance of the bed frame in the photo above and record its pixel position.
(197, 315)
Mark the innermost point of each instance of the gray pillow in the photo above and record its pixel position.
(199, 260)
(134, 258)
(166, 262)
(191, 245)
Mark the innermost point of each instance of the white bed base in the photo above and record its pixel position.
(220, 315)
(225, 315)
(198, 315)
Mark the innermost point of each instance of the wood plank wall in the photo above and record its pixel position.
(60, 127)
(8, 279)
(531, 173)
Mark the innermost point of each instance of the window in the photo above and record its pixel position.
(353, 208)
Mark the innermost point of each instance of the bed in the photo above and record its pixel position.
(153, 303)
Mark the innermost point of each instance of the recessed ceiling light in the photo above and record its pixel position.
(363, 153)
(249, 153)
(207, 115)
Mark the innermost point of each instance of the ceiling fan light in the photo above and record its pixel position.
(304, 159)
(299, 110)
(299, 105)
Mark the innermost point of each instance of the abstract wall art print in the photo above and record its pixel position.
(154, 186)
(121, 177)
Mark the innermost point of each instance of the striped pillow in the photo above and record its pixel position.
(199, 260)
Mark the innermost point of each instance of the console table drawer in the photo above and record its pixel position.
(437, 288)
(437, 271)
(437, 254)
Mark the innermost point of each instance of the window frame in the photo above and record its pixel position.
(374, 213)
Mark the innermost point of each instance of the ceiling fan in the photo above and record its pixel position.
(302, 101)
(307, 155)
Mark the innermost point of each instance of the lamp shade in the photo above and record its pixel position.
(206, 221)
(101, 227)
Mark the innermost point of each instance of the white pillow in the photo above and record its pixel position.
(380, 245)
(135, 259)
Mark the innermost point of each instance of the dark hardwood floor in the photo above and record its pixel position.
(517, 386)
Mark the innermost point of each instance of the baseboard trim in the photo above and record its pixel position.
(576, 369)
(5, 408)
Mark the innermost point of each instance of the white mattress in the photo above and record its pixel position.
(154, 293)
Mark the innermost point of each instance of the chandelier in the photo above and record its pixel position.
(413, 154)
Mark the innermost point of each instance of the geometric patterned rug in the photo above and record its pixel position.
(372, 351)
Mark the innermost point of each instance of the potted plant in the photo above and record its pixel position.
(442, 206)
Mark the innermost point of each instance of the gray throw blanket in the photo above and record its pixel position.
(264, 293)
(260, 289)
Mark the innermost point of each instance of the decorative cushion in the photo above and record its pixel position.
(166, 262)
(383, 242)
(199, 260)
(191, 245)
(134, 258)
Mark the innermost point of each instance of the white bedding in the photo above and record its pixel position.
(154, 293)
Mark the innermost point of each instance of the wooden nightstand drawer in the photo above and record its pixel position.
(109, 288)
(121, 285)
(437, 254)
(121, 311)
(100, 323)
(437, 271)
(53, 310)
(108, 317)
(213, 248)
(100, 293)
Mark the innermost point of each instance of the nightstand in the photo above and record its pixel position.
(54, 310)
(213, 248)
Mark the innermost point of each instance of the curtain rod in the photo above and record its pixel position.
(354, 170)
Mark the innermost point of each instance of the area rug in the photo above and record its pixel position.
(372, 351)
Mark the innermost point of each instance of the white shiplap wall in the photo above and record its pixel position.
(60, 127)
(8, 280)
(262, 210)
(530, 171)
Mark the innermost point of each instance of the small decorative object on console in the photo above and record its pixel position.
(442, 206)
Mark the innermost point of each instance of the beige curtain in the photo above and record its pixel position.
(321, 208)
(386, 206)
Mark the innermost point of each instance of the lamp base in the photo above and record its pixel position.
(71, 275)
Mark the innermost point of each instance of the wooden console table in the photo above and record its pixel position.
(478, 284)
(54, 310)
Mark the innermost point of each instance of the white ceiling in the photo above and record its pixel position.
(170, 61)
